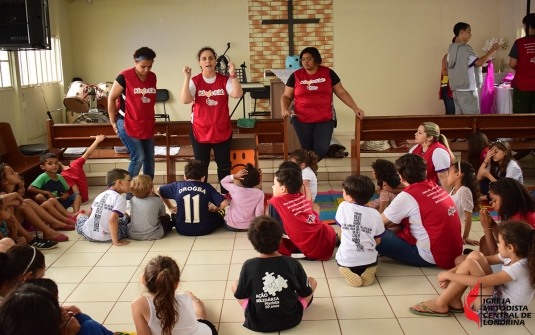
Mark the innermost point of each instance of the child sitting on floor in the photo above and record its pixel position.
(148, 220)
(362, 228)
(247, 201)
(306, 233)
(512, 286)
(8, 227)
(273, 289)
(388, 183)
(308, 163)
(192, 214)
(74, 174)
(51, 185)
(107, 221)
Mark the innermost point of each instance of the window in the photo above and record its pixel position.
(5, 74)
(40, 66)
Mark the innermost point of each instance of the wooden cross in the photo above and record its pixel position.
(290, 21)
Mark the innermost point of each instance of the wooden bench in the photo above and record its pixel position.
(167, 134)
(28, 166)
(452, 126)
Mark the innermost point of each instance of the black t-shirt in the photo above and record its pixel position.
(272, 286)
(334, 79)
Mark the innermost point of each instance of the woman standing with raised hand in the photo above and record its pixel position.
(134, 121)
(311, 88)
(210, 120)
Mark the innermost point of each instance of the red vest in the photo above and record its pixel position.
(314, 238)
(210, 114)
(439, 219)
(313, 95)
(139, 105)
(428, 156)
(524, 78)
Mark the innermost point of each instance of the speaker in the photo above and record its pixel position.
(24, 24)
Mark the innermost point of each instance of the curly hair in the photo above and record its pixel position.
(161, 275)
(195, 169)
(469, 179)
(514, 198)
(144, 53)
(265, 234)
(385, 171)
(252, 178)
(308, 157)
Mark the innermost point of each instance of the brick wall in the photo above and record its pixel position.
(269, 43)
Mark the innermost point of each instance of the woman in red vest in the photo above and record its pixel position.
(311, 88)
(210, 120)
(134, 121)
(434, 148)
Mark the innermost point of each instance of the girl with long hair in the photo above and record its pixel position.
(164, 311)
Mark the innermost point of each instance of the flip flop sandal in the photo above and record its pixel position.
(427, 312)
(67, 227)
(457, 311)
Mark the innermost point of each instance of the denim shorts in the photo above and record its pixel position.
(69, 201)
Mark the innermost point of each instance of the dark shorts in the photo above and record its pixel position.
(494, 308)
(360, 269)
(69, 201)
(210, 325)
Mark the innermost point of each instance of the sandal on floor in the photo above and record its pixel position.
(67, 227)
(457, 311)
(60, 238)
(427, 312)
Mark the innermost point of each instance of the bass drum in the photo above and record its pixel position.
(75, 99)
(93, 117)
(104, 92)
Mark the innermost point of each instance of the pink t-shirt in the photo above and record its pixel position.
(246, 204)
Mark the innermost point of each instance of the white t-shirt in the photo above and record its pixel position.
(187, 321)
(193, 88)
(519, 291)
(97, 226)
(360, 226)
(309, 175)
(463, 201)
(513, 171)
(441, 159)
(405, 206)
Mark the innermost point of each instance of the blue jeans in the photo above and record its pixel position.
(141, 152)
(448, 102)
(315, 136)
(399, 250)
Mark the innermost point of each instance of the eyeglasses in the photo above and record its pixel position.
(308, 59)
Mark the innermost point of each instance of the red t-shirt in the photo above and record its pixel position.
(313, 95)
(76, 175)
(210, 114)
(529, 218)
(140, 98)
(302, 225)
(525, 72)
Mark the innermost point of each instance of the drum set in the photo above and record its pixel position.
(91, 101)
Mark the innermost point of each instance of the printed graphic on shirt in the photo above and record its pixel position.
(143, 91)
(101, 206)
(356, 227)
(438, 194)
(210, 93)
(309, 83)
(298, 206)
(272, 285)
(452, 210)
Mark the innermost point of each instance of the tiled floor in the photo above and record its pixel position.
(103, 279)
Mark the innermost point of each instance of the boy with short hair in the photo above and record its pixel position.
(464, 70)
(148, 220)
(362, 228)
(273, 289)
(307, 234)
(192, 215)
(51, 185)
(107, 221)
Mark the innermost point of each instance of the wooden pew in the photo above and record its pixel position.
(28, 166)
(452, 126)
(167, 134)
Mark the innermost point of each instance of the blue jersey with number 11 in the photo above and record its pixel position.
(192, 198)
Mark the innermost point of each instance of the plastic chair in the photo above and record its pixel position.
(162, 95)
(265, 94)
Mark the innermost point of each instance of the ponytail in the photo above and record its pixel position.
(161, 275)
(308, 157)
(442, 139)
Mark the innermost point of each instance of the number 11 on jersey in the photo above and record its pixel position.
(190, 202)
